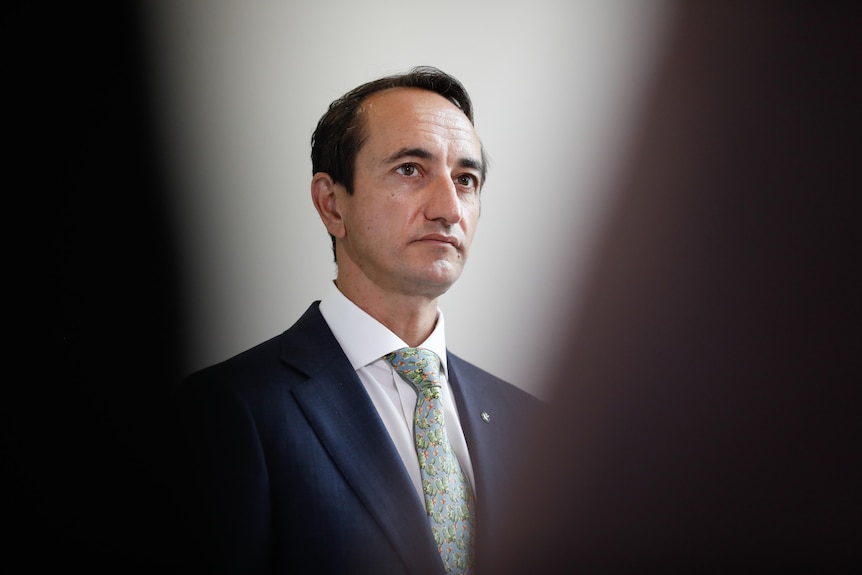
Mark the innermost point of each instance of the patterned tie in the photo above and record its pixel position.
(448, 497)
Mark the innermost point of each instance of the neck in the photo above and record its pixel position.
(410, 317)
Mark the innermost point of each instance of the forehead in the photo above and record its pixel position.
(410, 116)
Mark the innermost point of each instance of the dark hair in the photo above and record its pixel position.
(340, 133)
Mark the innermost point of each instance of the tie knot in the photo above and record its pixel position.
(419, 366)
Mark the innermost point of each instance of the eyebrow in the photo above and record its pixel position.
(469, 163)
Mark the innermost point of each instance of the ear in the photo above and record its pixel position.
(326, 196)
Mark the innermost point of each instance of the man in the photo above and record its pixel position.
(303, 448)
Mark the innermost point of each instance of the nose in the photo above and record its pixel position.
(443, 204)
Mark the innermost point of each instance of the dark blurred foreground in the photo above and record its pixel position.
(100, 342)
(707, 408)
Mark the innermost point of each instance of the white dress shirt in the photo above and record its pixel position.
(365, 341)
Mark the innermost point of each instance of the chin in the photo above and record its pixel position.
(445, 272)
(430, 279)
(437, 287)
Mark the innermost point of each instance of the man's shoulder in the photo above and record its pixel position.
(472, 373)
(278, 358)
(249, 360)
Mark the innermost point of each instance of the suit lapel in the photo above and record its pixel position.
(347, 424)
(485, 440)
(494, 419)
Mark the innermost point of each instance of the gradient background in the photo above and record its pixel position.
(240, 87)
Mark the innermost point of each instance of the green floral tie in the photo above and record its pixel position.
(448, 497)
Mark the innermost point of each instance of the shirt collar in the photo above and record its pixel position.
(363, 339)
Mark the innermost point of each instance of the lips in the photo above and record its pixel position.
(442, 238)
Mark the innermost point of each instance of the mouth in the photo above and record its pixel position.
(441, 239)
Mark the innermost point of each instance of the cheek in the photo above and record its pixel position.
(384, 227)
(470, 217)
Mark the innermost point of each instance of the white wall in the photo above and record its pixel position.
(244, 83)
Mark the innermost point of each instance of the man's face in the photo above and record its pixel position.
(410, 221)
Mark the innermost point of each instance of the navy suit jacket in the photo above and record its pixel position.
(291, 469)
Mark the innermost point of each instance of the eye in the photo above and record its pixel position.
(467, 180)
(407, 169)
